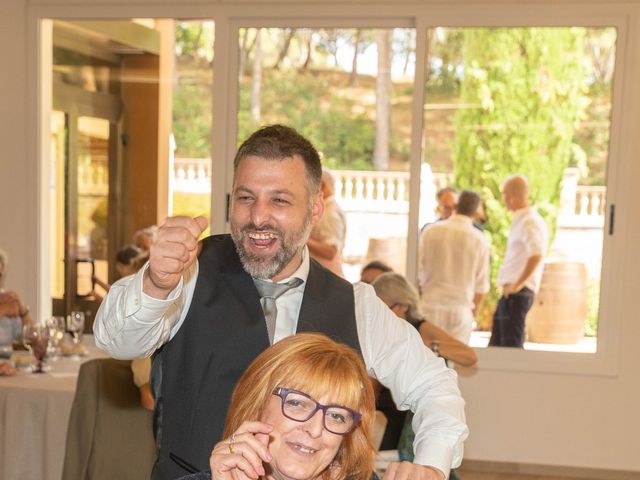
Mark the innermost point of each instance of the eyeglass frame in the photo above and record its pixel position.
(282, 392)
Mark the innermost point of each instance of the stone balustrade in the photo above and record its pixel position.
(582, 206)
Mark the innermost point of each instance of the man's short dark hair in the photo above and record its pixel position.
(127, 253)
(468, 203)
(378, 265)
(276, 142)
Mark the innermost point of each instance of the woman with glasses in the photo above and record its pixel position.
(303, 410)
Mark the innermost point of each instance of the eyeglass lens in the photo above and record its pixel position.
(301, 408)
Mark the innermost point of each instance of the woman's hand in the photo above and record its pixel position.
(240, 456)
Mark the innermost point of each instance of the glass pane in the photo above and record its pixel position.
(192, 99)
(141, 87)
(535, 101)
(56, 200)
(349, 91)
(93, 199)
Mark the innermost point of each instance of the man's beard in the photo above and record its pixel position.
(268, 266)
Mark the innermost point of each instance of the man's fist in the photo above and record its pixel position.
(173, 251)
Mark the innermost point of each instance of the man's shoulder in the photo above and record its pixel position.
(533, 219)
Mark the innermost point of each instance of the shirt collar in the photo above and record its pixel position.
(521, 212)
(456, 217)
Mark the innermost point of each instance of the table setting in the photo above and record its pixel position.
(36, 394)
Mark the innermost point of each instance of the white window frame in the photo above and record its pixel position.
(229, 18)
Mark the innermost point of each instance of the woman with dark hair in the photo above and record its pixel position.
(303, 410)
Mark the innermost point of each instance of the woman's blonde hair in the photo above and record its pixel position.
(393, 288)
(320, 367)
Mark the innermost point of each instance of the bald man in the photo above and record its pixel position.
(521, 271)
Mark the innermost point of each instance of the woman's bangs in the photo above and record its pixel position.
(345, 387)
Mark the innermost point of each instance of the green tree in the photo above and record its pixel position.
(529, 89)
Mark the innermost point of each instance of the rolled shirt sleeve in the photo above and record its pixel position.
(395, 354)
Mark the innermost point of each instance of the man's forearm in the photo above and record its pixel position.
(530, 267)
(130, 324)
(477, 301)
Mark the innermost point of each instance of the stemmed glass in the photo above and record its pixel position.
(57, 330)
(35, 337)
(75, 325)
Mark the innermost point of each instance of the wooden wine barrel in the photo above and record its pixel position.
(390, 250)
(559, 309)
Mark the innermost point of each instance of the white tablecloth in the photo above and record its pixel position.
(34, 412)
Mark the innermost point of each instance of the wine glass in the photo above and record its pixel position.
(35, 336)
(75, 325)
(57, 328)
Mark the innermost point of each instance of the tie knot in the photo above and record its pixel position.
(274, 290)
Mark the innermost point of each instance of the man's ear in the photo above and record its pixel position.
(318, 208)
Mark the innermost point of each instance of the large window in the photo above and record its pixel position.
(537, 100)
(349, 91)
(534, 101)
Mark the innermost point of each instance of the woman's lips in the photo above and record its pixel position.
(302, 449)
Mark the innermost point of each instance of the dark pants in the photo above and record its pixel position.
(508, 319)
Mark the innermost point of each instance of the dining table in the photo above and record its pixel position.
(34, 413)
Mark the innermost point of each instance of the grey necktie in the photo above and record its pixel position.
(269, 292)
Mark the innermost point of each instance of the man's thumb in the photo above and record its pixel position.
(202, 222)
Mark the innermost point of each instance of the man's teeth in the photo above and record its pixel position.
(262, 236)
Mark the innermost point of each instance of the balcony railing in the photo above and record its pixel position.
(582, 206)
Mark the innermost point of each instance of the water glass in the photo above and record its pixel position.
(75, 325)
(57, 329)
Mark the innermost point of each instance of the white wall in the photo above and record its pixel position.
(521, 407)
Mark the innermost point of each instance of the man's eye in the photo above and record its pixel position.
(281, 201)
(243, 198)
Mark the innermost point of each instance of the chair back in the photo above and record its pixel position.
(110, 434)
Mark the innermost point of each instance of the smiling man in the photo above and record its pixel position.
(197, 306)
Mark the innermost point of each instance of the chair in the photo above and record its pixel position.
(379, 425)
(109, 435)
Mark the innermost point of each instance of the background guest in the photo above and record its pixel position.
(402, 297)
(143, 238)
(13, 312)
(326, 240)
(521, 270)
(453, 269)
(373, 270)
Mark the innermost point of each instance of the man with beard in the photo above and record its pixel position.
(196, 304)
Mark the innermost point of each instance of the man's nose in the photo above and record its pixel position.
(315, 424)
(260, 212)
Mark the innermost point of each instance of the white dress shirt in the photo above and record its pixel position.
(453, 266)
(453, 262)
(131, 324)
(528, 236)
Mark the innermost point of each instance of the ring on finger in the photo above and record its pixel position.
(232, 440)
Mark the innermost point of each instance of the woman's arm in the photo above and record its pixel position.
(449, 347)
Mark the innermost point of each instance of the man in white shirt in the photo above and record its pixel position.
(327, 237)
(521, 271)
(453, 269)
(197, 303)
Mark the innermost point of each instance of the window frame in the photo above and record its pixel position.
(229, 18)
